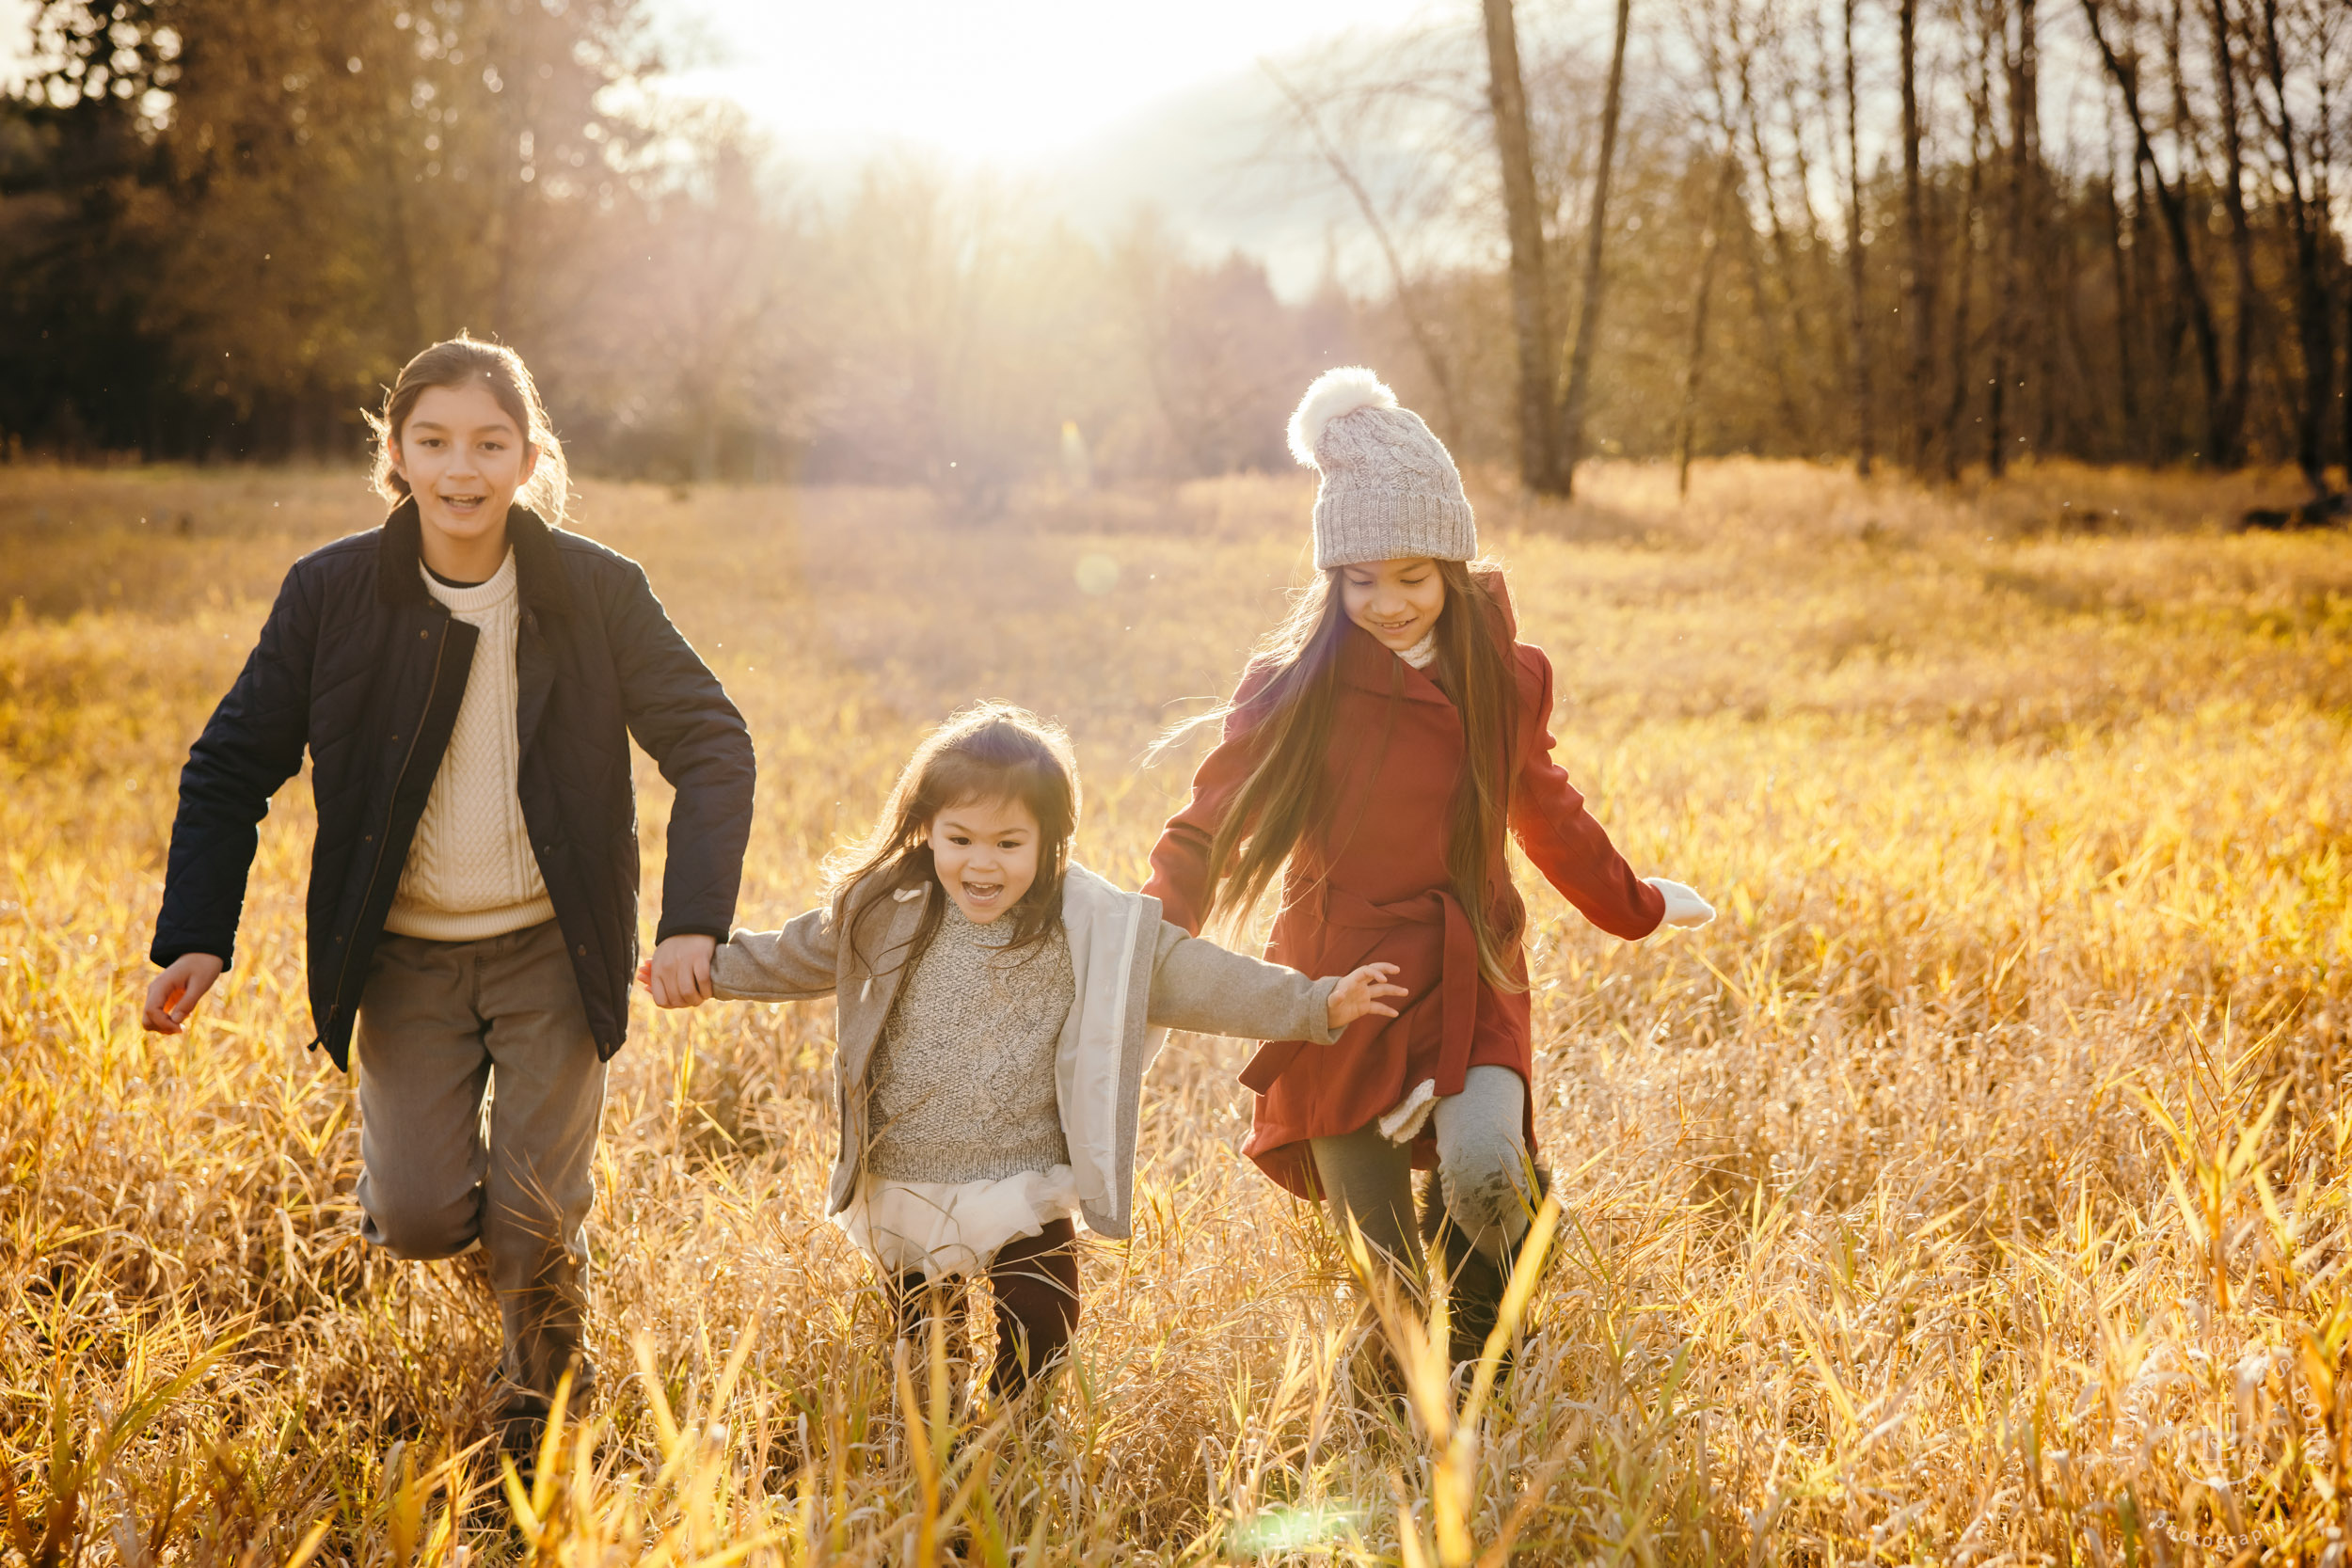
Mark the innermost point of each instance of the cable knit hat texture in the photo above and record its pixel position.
(1390, 490)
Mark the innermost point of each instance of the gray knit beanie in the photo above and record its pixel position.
(1390, 490)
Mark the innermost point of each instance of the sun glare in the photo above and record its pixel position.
(996, 83)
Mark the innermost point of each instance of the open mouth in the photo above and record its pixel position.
(983, 896)
(464, 506)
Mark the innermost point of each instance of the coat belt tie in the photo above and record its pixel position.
(1457, 978)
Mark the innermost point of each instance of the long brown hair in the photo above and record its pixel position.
(987, 751)
(1289, 720)
(467, 361)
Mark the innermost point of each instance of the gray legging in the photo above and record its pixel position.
(1482, 1161)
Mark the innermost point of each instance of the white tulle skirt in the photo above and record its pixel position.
(951, 1227)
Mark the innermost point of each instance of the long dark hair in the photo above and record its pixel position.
(1289, 718)
(987, 751)
(467, 361)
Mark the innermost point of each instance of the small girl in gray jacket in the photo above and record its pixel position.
(992, 1041)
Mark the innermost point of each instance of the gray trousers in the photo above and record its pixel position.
(442, 1027)
(1482, 1168)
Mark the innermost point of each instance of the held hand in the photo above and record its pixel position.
(1684, 907)
(176, 992)
(678, 973)
(1360, 994)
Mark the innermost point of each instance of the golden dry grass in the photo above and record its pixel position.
(1974, 1191)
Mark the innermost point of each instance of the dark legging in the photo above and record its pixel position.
(1035, 1280)
(1481, 1165)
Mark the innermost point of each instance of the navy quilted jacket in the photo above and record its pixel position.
(364, 668)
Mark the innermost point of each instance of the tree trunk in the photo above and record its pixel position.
(1695, 364)
(2126, 312)
(1856, 261)
(1784, 257)
(1916, 308)
(2017, 244)
(2230, 422)
(1506, 95)
(2173, 204)
(1980, 113)
(1768, 323)
(1571, 437)
(2310, 286)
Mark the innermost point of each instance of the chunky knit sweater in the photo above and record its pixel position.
(471, 871)
(963, 1084)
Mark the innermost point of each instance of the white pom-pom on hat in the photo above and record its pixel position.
(1334, 394)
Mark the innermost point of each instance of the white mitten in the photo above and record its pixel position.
(1683, 905)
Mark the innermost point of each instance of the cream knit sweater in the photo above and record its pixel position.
(471, 871)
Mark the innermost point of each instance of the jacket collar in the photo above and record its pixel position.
(538, 571)
(1085, 894)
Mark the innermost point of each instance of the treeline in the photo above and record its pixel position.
(1943, 235)
(224, 224)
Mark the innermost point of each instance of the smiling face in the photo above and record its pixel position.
(464, 459)
(985, 853)
(1397, 601)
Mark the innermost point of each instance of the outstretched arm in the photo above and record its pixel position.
(789, 965)
(1199, 987)
(1571, 849)
(252, 744)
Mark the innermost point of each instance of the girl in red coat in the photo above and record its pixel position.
(1378, 748)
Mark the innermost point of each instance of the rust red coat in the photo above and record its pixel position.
(1382, 895)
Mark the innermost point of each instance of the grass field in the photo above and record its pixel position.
(1974, 1191)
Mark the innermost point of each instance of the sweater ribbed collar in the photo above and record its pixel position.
(530, 546)
(488, 595)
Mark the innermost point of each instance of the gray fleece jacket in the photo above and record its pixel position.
(1137, 977)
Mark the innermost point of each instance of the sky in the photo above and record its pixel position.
(1113, 105)
(1010, 83)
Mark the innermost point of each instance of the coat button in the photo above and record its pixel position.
(583, 950)
(370, 839)
(423, 636)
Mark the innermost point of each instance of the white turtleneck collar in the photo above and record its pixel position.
(1422, 655)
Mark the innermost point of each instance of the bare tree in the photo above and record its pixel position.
(1694, 364)
(1915, 305)
(2173, 201)
(1969, 231)
(2126, 302)
(2311, 289)
(1856, 269)
(2230, 422)
(2018, 223)
(1530, 323)
(1418, 322)
(1595, 236)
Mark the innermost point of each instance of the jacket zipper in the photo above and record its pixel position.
(375, 872)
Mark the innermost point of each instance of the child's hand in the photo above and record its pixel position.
(175, 992)
(1684, 907)
(1360, 992)
(678, 973)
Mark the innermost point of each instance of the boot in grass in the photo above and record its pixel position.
(1474, 1279)
(519, 1424)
